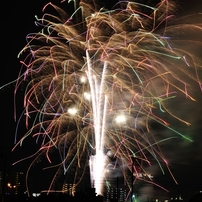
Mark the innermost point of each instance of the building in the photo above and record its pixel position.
(12, 183)
(69, 189)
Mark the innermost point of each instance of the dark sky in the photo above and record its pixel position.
(185, 157)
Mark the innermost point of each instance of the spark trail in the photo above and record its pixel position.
(97, 78)
(99, 102)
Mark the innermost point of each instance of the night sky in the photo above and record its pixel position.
(185, 157)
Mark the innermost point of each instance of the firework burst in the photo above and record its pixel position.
(97, 78)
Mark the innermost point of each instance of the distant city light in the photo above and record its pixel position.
(36, 194)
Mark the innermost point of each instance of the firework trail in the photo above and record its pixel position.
(97, 78)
